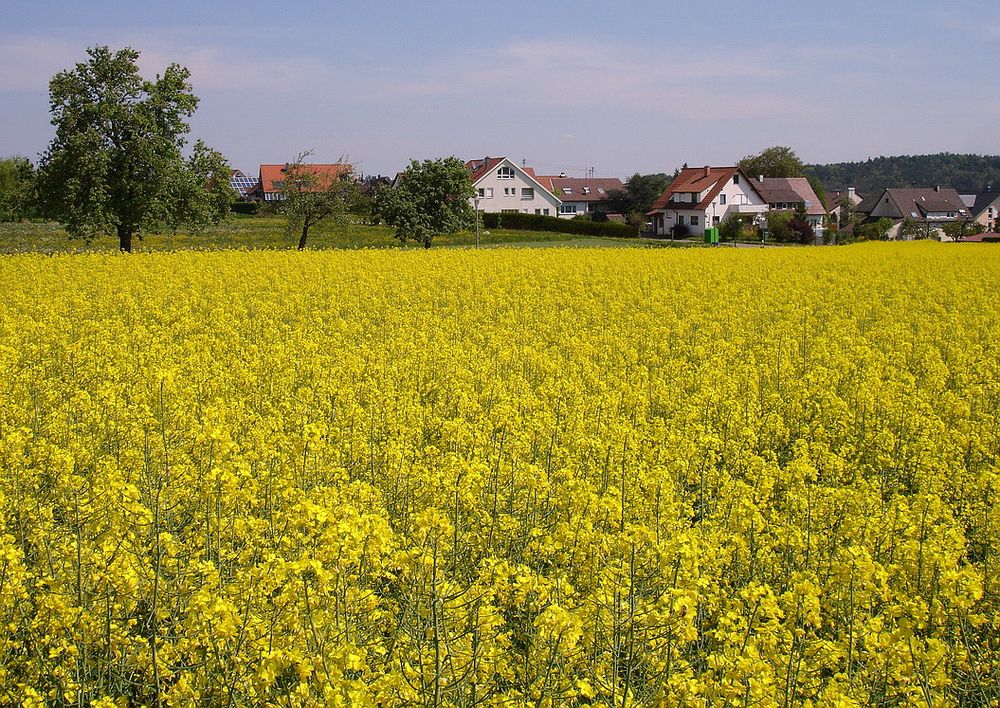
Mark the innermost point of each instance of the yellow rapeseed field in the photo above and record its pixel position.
(612, 477)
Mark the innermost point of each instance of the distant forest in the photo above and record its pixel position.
(969, 174)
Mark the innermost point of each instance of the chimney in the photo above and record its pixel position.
(850, 193)
(562, 175)
(760, 178)
(708, 171)
(937, 188)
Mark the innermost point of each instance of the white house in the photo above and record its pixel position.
(502, 186)
(701, 197)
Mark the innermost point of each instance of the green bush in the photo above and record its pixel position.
(245, 208)
(534, 222)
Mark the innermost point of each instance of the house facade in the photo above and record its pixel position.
(582, 195)
(986, 210)
(930, 209)
(704, 197)
(502, 186)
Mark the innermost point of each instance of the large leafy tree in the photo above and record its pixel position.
(776, 161)
(431, 198)
(311, 195)
(115, 164)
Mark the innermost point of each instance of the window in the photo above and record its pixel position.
(567, 190)
(567, 208)
(527, 192)
(541, 212)
(489, 192)
(509, 211)
(694, 221)
(722, 199)
(736, 179)
(510, 191)
(505, 172)
(715, 221)
(680, 220)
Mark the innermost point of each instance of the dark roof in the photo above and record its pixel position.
(921, 201)
(582, 189)
(700, 179)
(791, 190)
(926, 201)
(983, 202)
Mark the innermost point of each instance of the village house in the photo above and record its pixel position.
(986, 210)
(928, 209)
(791, 193)
(581, 195)
(272, 179)
(502, 186)
(241, 183)
(836, 199)
(702, 197)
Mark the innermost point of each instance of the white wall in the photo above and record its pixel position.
(541, 200)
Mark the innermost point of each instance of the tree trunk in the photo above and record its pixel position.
(304, 236)
(124, 238)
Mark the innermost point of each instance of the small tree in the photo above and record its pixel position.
(311, 195)
(779, 226)
(431, 198)
(17, 176)
(115, 164)
(800, 226)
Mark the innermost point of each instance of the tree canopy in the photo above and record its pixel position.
(116, 164)
(639, 194)
(430, 198)
(776, 161)
(969, 174)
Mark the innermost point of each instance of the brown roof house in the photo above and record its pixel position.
(928, 209)
(701, 197)
(272, 179)
(582, 195)
(789, 193)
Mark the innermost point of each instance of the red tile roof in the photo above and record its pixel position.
(272, 174)
(478, 168)
(699, 179)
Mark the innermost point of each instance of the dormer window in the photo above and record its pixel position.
(505, 172)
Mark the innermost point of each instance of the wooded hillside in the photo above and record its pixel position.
(969, 174)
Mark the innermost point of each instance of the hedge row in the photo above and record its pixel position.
(533, 222)
(247, 208)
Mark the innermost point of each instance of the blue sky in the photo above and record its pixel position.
(622, 87)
